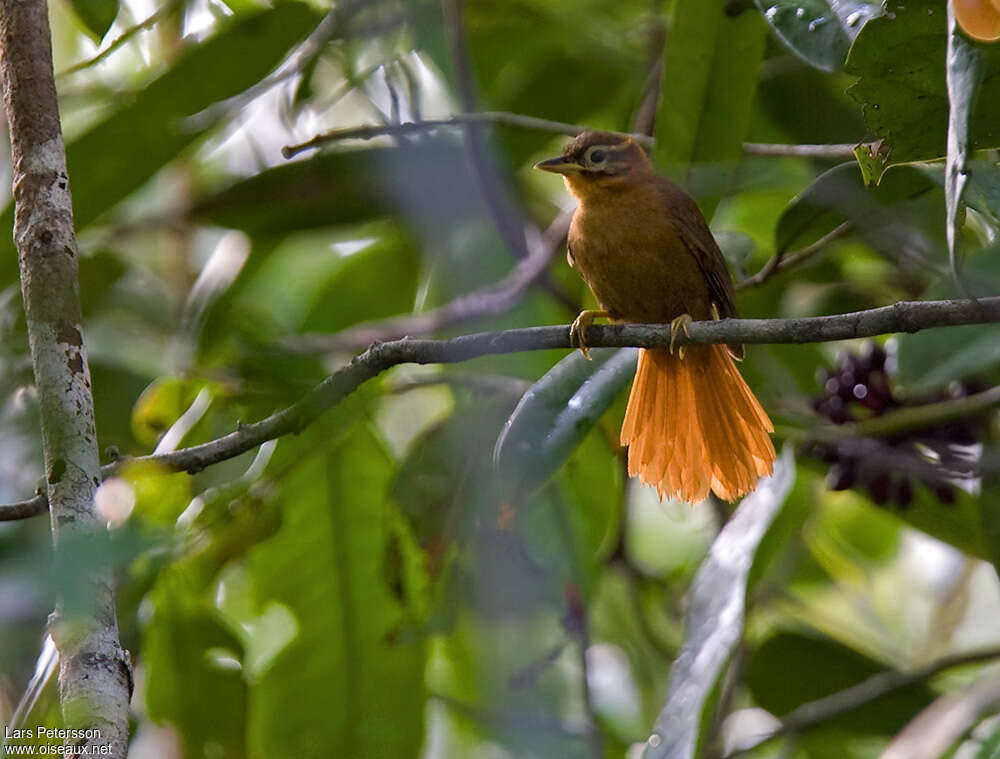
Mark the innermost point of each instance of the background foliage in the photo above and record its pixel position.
(392, 582)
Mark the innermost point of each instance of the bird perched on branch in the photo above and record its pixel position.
(644, 248)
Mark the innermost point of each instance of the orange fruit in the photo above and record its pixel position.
(980, 19)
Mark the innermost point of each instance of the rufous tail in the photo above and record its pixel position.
(693, 424)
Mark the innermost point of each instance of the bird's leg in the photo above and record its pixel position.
(579, 328)
(676, 325)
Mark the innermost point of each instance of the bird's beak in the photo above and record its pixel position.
(559, 165)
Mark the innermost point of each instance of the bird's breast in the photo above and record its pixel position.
(636, 262)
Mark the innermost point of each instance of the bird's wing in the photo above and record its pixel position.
(694, 231)
(699, 240)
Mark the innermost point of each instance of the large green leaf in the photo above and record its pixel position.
(192, 663)
(555, 415)
(356, 690)
(709, 82)
(119, 153)
(715, 619)
(820, 32)
(900, 61)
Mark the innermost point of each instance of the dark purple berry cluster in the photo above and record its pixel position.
(889, 468)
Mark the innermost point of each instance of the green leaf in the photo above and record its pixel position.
(429, 182)
(193, 667)
(841, 194)
(555, 415)
(121, 152)
(96, 15)
(715, 619)
(357, 691)
(813, 667)
(709, 82)
(820, 32)
(900, 61)
(441, 486)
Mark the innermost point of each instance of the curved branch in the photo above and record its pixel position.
(899, 317)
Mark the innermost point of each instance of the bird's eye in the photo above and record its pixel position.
(597, 156)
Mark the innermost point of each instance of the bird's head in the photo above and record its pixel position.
(598, 161)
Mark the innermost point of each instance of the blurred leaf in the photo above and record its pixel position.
(121, 152)
(444, 482)
(428, 182)
(709, 82)
(989, 747)
(820, 32)
(379, 281)
(193, 665)
(814, 667)
(607, 57)
(715, 619)
(96, 15)
(357, 691)
(798, 103)
(98, 272)
(990, 518)
(900, 61)
(555, 415)
(938, 730)
(840, 194)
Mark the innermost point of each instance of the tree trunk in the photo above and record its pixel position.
(94, 675)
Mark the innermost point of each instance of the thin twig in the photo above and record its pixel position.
(492, 299)
(781, 260)
(122, 38)
(899, 317)
(506, 118)
(816, 712)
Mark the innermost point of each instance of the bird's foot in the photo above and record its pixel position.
(678, 324)
(577, 332)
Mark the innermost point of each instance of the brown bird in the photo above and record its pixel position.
(644, 248)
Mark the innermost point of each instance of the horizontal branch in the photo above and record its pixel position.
(505, 118)
(899, 317)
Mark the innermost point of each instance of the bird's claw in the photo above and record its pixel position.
(678, 324)
(577, 331)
